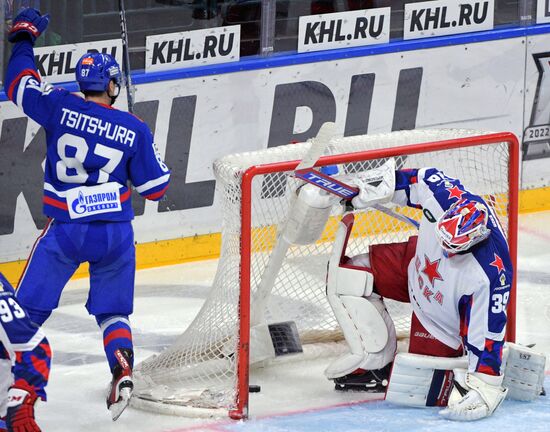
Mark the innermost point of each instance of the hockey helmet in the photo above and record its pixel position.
(95, 70)
(462, 226)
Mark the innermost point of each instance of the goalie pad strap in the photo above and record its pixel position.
(420, 380)
(353, 282)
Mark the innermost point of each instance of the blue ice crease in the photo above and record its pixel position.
(383, 416)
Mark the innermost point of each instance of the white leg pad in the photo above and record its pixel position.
(6, 380)
(523, 372)
(419, 380)
(365, 322)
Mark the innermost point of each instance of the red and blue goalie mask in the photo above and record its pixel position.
(462, 226)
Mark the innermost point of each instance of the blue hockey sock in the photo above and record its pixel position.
(117, 334)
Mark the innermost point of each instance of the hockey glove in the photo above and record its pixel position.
(20, 415)
(28, 24)
(376, 186)
(474, 396)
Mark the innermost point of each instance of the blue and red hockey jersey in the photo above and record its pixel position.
(23, 342)
(93, 150)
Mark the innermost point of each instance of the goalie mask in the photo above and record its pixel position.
(462, 226)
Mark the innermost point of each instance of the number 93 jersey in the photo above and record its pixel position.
(93, 150)
(17, 332)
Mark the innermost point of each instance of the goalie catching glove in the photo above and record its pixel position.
(474, 396)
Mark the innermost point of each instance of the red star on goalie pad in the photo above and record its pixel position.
(498, 264)
(430, 270)
(455, 192)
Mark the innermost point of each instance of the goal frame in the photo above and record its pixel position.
(243, 360)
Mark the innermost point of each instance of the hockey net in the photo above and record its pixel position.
(206, 371)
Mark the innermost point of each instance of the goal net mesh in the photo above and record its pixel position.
(199, 372)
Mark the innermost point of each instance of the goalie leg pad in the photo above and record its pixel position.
(524, 372)
(365, 322)
(420, 380)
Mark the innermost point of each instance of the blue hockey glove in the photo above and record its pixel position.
(28, 24)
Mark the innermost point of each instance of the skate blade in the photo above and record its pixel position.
(118, 408)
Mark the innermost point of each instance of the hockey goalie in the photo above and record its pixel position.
(456, 273)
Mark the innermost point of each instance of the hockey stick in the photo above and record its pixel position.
(276, 258)
(345, 191)
(126, 57)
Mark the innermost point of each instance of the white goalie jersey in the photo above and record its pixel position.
(460, 298)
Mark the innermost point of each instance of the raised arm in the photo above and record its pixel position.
(23, 85)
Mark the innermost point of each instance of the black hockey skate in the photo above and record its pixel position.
(120, 390)
(372, 381)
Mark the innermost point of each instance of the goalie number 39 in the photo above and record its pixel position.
(499, 302)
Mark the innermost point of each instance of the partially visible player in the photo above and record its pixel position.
(25, 359)
(93, 153)
(457, 275)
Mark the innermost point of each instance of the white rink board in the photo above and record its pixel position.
(475, 86)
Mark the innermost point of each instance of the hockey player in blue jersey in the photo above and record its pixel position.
(25, 358)
(93, 152)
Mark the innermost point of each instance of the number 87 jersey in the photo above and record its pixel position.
(93, 150)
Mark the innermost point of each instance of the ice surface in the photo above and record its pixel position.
(292, 399)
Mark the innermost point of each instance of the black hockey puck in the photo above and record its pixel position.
(254, 388)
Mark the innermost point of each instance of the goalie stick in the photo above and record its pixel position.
(345, 191)
(318, 146)
(126, 56)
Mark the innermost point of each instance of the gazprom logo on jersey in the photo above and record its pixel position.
(91, 200)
